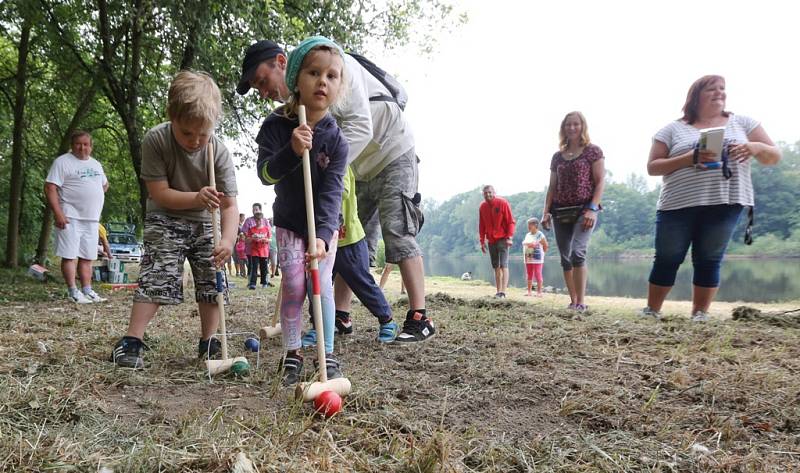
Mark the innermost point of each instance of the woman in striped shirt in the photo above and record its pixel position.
(700, 204)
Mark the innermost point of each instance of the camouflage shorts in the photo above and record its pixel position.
(168, 242)
(391, 195)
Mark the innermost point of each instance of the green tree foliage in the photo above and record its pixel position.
(118, 58)
(777, 191)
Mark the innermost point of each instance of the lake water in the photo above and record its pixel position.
(747, 280)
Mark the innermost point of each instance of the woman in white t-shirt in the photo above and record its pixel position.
(701, 198)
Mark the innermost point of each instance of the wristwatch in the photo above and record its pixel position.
(592, 207)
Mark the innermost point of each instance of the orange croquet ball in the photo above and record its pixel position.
(328, 403)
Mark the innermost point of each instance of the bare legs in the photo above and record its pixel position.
(143, 312)
(701, 297)
(413, 273)
(343, 295)
(68, 270)
(575, 280)
(385, 277)
(84, 271)
(501, 279)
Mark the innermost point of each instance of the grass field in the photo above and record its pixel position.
(506, 386)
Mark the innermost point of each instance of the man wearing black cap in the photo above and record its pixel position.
(265, 67)
(382, 158)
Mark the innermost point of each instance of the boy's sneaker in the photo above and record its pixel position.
(344, 326)
(209, 349)
(128, 353)
(700, 316)
(93, 296)
(291, 368)
(648, 313)
(416, 328)
(310, 338)
(78, 297)
(332, 368)
(387, 332)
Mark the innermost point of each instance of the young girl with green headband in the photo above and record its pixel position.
(314, 77)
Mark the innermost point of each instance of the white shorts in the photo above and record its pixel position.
(78, 240)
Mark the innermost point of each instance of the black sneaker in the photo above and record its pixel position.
(128, 353)
(344, 326)
(290, 368)
(332, 368)
(209, 349)
(416, 328)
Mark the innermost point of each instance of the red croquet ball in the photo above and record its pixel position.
(328, 403)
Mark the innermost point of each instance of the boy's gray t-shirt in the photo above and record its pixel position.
(164, 159)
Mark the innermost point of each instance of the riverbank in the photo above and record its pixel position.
(611, 305)
(751, 280)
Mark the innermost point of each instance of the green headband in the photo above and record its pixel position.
(299, 53)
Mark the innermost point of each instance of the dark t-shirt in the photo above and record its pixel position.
(279, 165)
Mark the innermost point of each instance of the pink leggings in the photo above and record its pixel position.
(534, 271)
(294, 289)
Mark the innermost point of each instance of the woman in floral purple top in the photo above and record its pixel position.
(577, 175)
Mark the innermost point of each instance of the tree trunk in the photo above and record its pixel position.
(132, 121)
(192, 36)
(135, 147)
(15, 194)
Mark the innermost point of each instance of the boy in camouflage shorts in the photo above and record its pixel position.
(178, 221)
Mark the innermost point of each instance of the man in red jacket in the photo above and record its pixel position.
(496, 224)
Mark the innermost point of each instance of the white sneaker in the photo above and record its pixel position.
(700, 316)
(93, 296)
(78, 297)
(648, 313)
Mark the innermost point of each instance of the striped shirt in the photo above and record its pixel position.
(690, 187)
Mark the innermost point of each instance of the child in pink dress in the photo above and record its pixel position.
(241, 256)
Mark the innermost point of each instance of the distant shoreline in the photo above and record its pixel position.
(627, 256)
(620, 305)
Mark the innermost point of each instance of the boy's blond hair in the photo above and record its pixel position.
(194, 96)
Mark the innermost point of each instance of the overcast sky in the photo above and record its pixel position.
(486, 106)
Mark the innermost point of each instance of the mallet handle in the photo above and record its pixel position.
(215, 231)
(316, 302)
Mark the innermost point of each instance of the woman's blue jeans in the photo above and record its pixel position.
(706, 229)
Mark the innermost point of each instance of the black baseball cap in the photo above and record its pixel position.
(256, 54)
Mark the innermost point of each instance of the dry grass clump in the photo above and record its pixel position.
(505, 386)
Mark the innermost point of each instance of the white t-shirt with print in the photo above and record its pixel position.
(535, 254)
(80, 186)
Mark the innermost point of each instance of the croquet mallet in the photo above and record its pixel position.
(223, 365)
(274, 327)
(341, 386)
